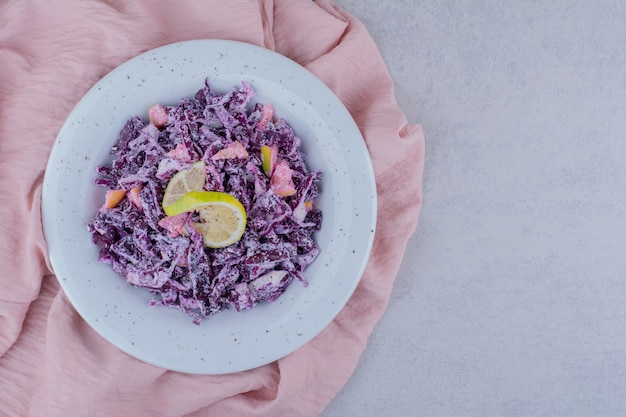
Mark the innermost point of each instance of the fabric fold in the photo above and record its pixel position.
(51, 362)
(317, 29)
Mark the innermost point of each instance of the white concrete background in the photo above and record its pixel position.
(511, 300)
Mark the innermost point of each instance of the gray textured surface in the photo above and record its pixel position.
(511, 300)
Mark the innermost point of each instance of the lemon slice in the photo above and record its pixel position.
(223, 217)
(182, 182)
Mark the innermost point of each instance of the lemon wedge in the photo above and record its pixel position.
(270, 157)
(182, 182)
(223, 217)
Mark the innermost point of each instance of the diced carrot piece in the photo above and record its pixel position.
(267, 113)
(158, 116)
(181, 153)
(113, 198)
(234, 150)
(133, 196)
(282, 181)
(175, 225)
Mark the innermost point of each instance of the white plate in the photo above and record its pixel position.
(229, 341)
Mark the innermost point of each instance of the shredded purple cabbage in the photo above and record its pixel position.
(140, 242)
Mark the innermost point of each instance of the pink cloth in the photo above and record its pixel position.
(51, 362)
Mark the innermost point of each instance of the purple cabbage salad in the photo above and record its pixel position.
(146, 247)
